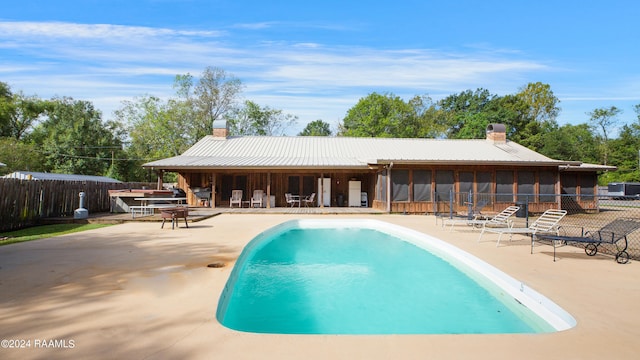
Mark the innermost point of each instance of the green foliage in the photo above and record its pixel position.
(212, 97)
(541, 104)
(18, 112)
(468, 113)
(156, 130)
(316, 128)
(6, 108)
(45, 231)
(381, 115)
(74, 139)
(570, 142)
(604, 120)
(252, 119)
(20, 156)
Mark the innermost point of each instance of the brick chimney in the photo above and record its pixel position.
(497, 133)
(220, 129)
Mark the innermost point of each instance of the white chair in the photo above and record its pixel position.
(291, 200)
(258, 195)
(502, 219)
(546, 223)
(236, 198)
(309, 199)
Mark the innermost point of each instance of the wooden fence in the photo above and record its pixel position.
(24, 202)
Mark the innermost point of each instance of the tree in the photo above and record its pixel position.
(18, 112)
(252, 119)
(18, 156)
(316, 128)
(156, 130)
(6, 108)
(214, 96)
(467, 114)
(605, 120)
(624, 151)
(570, 142)
(542, 104)
(380, 115)
(74, 139)
(430, 121)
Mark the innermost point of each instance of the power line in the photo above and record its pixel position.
(95, 158)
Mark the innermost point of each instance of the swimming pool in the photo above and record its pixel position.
(333, 276)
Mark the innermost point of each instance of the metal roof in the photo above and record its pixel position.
(33, 175)
(588, 167)
(245, 152)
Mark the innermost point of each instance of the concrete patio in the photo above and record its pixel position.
(134, 290)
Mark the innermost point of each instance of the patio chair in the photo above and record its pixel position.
(611, 233)
(256, 199)
(291, 200)
(547, 222)
(502, 219)
(236, 198)
(309, 199)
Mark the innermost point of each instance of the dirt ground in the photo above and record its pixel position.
(137, 291)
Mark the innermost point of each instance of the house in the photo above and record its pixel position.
(390, 174)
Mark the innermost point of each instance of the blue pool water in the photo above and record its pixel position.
(352, 280)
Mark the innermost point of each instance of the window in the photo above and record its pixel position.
(444, 184)
(294, 185)
(547, 186)
(400, 185)
(483, 182)
(422, 185)
(484, 187)
(465, 185)
(308, 185)
(504, 186)
(526, 185)
(569, 185)
(587, 186)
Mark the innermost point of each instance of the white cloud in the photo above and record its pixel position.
(93, 31)
(110, 63)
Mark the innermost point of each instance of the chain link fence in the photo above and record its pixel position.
(584, 213)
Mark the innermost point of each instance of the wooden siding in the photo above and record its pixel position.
(278, 183)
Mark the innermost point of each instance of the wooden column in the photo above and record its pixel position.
(160, 179)
(213, 191)
(268, 190)
(321, 197)
(389, 188)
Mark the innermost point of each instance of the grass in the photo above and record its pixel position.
(45, 231)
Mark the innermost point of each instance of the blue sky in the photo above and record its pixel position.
(317, 59)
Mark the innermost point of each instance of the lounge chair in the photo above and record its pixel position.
(309, 199)
(256, 199)
(236, 198)
(547, 222)
(291, 200)
(502, 219)
(611, 233)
